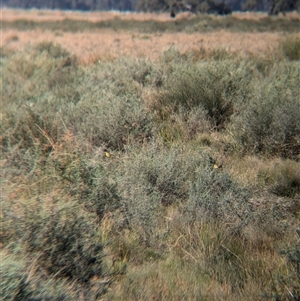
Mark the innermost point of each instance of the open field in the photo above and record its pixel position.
(96, 43)
(148, 159)
(101, 44)
(56, 15)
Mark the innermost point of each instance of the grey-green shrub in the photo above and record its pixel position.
(269, 120)
(19, 283)
(111, 111)
(90, 181)
(63, 237)
(109, 120)
(102, 105)
(152, 179)
(37, 83)
(212, 86)
(52, 50)
(214, 196)
(48, 67)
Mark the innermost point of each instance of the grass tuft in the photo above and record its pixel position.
(291, 48)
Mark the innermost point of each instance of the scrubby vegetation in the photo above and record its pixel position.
(199, 23)
(130, 179)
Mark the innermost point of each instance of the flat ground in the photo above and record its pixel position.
(90, 45)
(126, 178)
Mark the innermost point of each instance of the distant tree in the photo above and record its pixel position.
(72, 4)
(273, 7)
(235, 5)
(152, 5)
(200, 6)
(281, 6)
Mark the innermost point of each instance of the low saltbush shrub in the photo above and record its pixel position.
(67, 243)
(214, 87)
(214, 196)
(152, 179)
(64, 239)
(268, 121)
(18, 282)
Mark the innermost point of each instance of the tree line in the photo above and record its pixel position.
(272, 6)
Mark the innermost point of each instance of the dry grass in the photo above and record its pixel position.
(57, 15)
(108, 44)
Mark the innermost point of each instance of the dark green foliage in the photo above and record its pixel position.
(272, 6)
(152, 5)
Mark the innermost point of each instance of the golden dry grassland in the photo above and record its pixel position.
(107, 43)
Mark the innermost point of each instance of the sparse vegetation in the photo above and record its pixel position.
(137, 179)
(202, 23)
